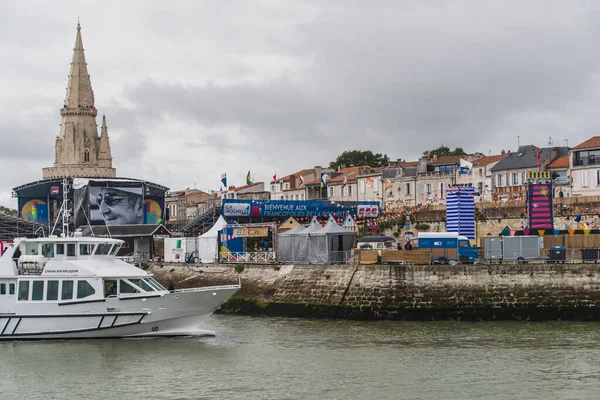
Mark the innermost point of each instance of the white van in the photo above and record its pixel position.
(377, 243)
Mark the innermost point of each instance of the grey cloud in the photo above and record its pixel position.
(405, 79)
(292, 85)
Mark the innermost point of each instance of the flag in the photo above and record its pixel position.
(248, 179)
(369, 182)
(465, 166)
(537, 156)
(345, 182)
(275, 176)
(324, 178)
(224, 179)
(539, 205)
(388, 184)
(301, 180)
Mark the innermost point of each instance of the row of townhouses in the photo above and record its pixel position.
(500, 177)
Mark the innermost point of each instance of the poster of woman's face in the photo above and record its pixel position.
(116, 205)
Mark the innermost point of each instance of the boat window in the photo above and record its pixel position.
(23, 290)
(11, 288)
(67, 290)
(37, 292)
(115, 250)
(103, 249)
(157, 283)
(84, 289)
(52, 290)
(142, 284)
(60, 248)
(125, 287)
(86, 249)
(48, 250)
(31, 248)
(110, 287)
(2, 288)
(154, 284)
(70, 249)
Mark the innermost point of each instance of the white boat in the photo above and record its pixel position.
(75, 287)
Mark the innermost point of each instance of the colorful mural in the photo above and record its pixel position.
(35, 210)
(152, 212)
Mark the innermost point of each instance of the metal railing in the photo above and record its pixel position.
(554, 255)
(261, 257)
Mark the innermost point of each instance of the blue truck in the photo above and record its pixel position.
(447, 246)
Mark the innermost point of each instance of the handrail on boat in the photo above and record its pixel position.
(206, 289)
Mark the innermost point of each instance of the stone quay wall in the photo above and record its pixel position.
(535, 292)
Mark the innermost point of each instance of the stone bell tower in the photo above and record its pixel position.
(80, 152)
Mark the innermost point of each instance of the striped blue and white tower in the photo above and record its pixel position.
(460, 211)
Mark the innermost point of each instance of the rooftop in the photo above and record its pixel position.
(489, 159)
(236, 189)
(350, 174)
(591, 143)
(560, 162)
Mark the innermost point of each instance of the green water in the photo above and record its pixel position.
(277, 358)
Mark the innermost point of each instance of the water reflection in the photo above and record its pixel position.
(294, 358)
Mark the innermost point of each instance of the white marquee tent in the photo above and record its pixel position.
(208, 243)
(316, 244)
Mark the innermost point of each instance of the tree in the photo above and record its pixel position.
(444, 151)
(359, 158)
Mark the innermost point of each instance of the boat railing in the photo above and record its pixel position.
(206, 289)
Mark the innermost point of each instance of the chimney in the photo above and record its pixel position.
(422, 167)
(503, 152)
(317, 170)
(435, 157)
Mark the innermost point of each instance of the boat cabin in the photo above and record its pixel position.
(70, 270)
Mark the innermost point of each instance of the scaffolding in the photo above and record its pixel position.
(14, 227)
(201, 223)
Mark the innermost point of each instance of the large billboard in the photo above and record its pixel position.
(540, 209)
(34, 210)
(460, 210)
(299, 208)
(115, 202)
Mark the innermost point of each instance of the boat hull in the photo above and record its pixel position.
(180, 313)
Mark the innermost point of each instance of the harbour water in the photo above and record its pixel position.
(279, 358)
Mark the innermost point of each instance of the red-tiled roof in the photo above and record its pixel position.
(288, 178)
(410, 164)
(350, 174)
(489, 159)
(445, 160)
(235, 189)
(560, 162)
(591, 143)
(315, 182)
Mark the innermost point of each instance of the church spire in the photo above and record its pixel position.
(79, 89)
(104, 154)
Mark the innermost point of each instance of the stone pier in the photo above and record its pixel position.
(534, 292)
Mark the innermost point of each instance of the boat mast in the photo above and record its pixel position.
(64, 210)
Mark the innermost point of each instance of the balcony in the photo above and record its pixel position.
(585, 161)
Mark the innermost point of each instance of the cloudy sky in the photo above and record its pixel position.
(192, 89)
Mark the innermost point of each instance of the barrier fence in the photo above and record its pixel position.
(447, 256)
(261, 257)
